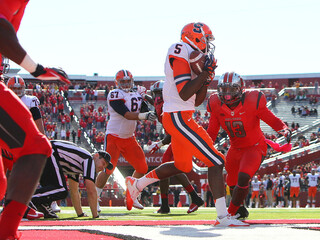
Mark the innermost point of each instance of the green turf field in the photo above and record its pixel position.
(120, 213)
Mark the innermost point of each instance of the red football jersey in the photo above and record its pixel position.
(242, 124)
(158, 104)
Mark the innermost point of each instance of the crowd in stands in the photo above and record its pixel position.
(93, 120)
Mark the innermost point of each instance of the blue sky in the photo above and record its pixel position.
(102, 36)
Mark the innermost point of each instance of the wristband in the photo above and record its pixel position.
(143, 116)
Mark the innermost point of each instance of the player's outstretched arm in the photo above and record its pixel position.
(9, 43)
(11, 48)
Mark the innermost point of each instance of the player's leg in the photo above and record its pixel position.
(164, 189)
(111, 146)
(3, 180)
(196, 201)
(53, 187)
(133, 153)
(21, 141)
(164, 183)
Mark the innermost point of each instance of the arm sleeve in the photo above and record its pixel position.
(36, 114)
(267, 116)
(119, 107)
(214, 124)
(181, 72)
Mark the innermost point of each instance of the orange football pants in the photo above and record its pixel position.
(255, 194)
(130, 150)
(294, 191)
(312, 191)
(189, 139)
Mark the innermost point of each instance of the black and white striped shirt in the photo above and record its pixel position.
(73, 159)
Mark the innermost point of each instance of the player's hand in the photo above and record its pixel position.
(155, 147)
(142, 91)
(43, 73)
(151, 116)
(286, 133)
(210, 65)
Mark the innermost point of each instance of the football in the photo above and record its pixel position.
(197, 60)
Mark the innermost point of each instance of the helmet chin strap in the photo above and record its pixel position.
(193, 45)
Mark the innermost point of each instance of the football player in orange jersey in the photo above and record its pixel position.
(184, 90)
(239, 112)
(18, 132)
(157, 101)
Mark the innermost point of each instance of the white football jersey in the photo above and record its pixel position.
(172, 100)
(294, 180)
(118, 125)
(30, 101)
(312, 179)
(255, 185)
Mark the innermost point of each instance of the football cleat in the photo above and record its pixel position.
(32, 214)
(164, 210)
(137, 205)
(242, 213)
(196, 203)
(47, 211)
(55, 207)
(132, 192)
(229, 221)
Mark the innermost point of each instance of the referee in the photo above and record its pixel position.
(70, 160)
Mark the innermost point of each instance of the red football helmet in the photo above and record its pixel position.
(17, 85)
(199, 36)
(4, 66)
(230, 87)
(156, 89)
(124, 80)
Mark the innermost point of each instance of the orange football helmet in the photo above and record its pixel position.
(124, 80)
(17, 85)
(199, 36)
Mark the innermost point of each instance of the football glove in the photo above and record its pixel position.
(43, 73)
(210, 65)
(151, 116)
(155, 147)
(286, 133)
(142, 91)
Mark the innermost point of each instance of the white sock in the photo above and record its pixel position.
(99, 191)
(28, 64)
(221, 207)
(146, 180)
